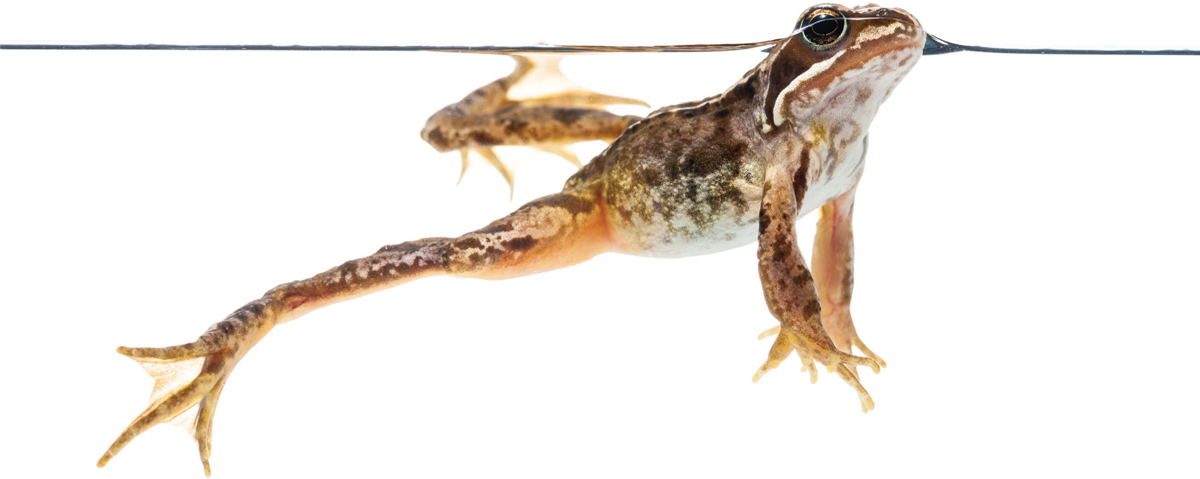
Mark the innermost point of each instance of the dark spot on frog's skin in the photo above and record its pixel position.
(804, 278)
(412, 246)
(573, 204)
(652, 177)
(744, 89)
(688, 113)
(781, 251)
(513, 127)
(568, 116)
(800, 177)
(519, 244)
(862, 95)
(469, 243)
(498, 227)
(813, 308)
(483, 138)
(436, 138)
(722, 113)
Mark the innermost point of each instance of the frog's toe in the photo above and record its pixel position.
(187, 384)
(851, 378)
(768, 333)
(563, 151)
(466, 163)
(490, 156)
(867, 351)
(580, 98)
(780, 350)
(835, 361)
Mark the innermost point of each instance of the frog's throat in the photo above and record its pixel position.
(822, 74)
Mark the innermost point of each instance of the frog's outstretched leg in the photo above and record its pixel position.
(789, 286)
(548, 233)
(534, 106)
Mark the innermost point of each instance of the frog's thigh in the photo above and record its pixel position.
(548, 233)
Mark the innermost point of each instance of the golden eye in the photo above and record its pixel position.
(822, 28)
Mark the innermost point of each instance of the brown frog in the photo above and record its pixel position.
(689, 179)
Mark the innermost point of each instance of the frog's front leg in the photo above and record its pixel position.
(790, 288)
(544, 234)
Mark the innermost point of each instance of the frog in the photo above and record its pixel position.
(736, 168)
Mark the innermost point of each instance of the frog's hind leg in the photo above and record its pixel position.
(535, 106)
(833, 271)
(545, 234)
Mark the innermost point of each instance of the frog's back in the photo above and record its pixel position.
(687, 179)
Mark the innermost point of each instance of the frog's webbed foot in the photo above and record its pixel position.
(840, 327)
(562, 150)
(187, 383)
(836, 361)
(188, 378)
(542, 83)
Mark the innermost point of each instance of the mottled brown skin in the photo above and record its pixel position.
(739, 167)
(490, 116)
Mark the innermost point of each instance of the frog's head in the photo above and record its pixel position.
(839, 63)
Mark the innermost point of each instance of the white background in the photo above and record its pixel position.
(1026, 239)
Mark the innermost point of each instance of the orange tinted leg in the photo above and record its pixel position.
(549, 233)
(833, 270)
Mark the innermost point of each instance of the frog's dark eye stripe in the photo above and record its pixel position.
(822, 28)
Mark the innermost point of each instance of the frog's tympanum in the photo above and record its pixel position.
(689, 179)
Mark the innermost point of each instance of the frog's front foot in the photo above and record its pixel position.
(836, 361)
(188, 379)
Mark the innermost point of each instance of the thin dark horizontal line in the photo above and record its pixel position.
(566, 49)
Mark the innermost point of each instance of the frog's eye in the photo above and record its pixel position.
(822, 28)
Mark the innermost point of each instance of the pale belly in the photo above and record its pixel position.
(682, 236)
